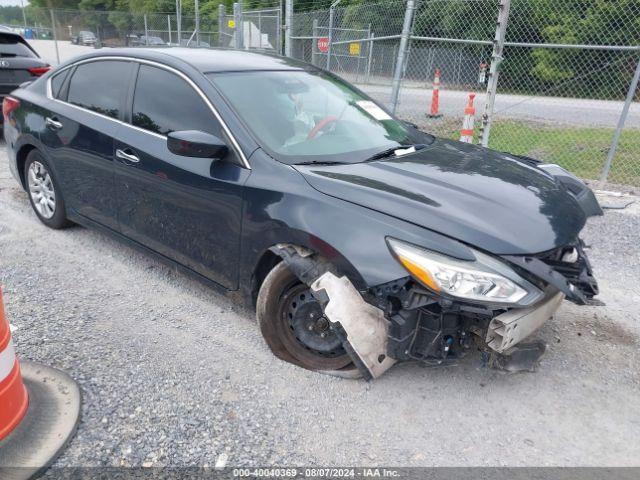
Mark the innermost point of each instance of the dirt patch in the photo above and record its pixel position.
(603, 329)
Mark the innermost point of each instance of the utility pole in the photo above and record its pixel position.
(402, 53)
(55, 35)
(496, 60)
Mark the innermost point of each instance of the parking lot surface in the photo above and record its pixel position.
(173, 373)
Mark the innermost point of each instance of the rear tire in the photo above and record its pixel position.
(44, 192)
(293, 324)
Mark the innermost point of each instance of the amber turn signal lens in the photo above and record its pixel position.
(419, 273)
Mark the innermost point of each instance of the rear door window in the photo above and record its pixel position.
(163, 103)
(14, 46)
(100, 86)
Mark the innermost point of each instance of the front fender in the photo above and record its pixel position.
(576, 187)
(280, 207)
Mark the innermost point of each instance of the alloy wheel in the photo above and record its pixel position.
(41, 189)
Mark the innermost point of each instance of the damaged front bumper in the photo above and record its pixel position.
(403, 320)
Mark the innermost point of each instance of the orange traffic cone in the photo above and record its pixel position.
(13, 394)
(435, 96)
(466, 134)
(39, 411)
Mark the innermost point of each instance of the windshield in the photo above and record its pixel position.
(307, 117)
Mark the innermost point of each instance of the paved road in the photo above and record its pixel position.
(175, 374)
(415, 101)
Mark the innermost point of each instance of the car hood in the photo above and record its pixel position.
(484, 198)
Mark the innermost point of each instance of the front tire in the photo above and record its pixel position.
(294, 326)
(44, 192)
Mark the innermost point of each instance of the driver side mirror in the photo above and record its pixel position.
(194, 143)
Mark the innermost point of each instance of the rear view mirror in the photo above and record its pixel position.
(194, 143)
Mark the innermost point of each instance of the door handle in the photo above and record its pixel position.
(129, 157)
(52, 124)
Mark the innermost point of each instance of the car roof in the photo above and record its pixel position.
(209, 60)
(10, 33)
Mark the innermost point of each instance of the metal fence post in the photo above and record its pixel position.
(55, 35)
(179, 20)
(288, 19)
(621, 121)
(237, 15)
(222, 13)
(404, 42)
(197, 28)
(146, 31)
(496, 59)
(372, 37)
(332, 15)
(169, 27)
(249, 44)
(279, 31)
(314, 45)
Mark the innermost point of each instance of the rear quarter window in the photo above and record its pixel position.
(57, 81)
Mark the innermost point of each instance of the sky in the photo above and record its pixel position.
(6, 3)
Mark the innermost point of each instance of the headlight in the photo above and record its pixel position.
(486, 279)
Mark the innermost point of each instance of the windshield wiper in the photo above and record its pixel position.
(391, 152)
(320, 162)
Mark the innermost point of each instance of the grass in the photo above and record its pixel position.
(581, 150)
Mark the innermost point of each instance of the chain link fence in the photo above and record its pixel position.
(552, 86)
(563, 72)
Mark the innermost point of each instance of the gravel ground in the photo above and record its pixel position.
(173, 373)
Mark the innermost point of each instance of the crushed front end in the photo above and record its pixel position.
(424, 316)
(438, 329)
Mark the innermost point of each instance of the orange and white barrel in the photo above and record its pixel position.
(466, 134)
(13, 394)
(39, 411)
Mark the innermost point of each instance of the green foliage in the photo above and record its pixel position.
(11, 15)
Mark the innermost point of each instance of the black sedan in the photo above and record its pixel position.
(19, 62)
(360, 239)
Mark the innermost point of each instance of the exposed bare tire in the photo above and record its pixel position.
(294, 326)
(44, 193)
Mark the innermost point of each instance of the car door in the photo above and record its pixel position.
(185, 208)
(80, 124)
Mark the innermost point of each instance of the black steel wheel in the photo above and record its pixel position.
(294, 326)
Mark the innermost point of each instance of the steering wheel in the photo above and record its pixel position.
(321, 125)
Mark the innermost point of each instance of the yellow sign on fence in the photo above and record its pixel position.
(354, 48)
(231, 24)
